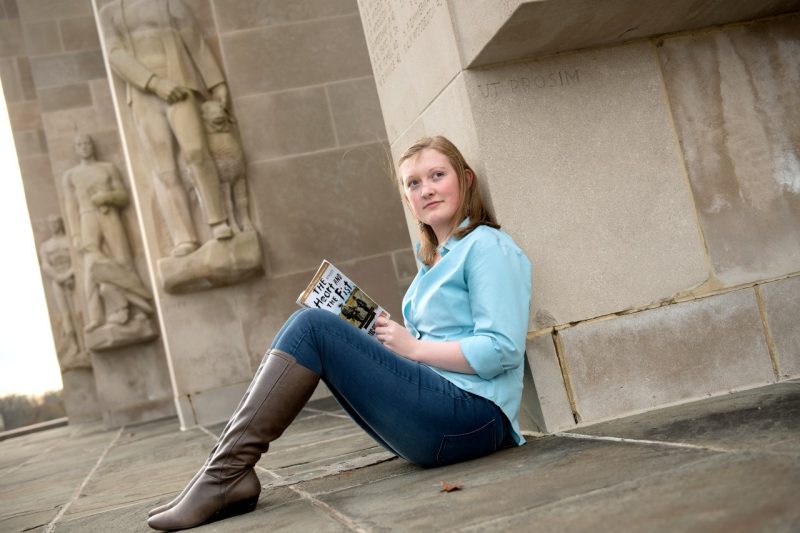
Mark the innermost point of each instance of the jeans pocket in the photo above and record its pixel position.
(477, 443)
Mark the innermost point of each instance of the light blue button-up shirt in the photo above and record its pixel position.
(479, 294)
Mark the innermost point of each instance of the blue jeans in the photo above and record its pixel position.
(405, 406)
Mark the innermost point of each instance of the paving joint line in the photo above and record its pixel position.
(311, 416)
(208, 432)
(684, 445)
(340, 517)
(332, 470)
(359, 484)
(270, 472)
(322, 431)
(80, 488)
(323, 441)
(321, 412)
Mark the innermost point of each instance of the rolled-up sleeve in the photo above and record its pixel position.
(499, 281)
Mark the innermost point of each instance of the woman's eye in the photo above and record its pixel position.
(412, 184)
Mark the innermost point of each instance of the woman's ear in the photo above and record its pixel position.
(470, 177)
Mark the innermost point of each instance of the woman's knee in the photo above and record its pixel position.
(311, 318)
(298, 333)
(295, 320)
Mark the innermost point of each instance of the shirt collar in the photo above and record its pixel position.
(450, 242)
(445, 248)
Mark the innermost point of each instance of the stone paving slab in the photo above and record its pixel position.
(134, 469)
(543, 471)
(720, 493)
(722, 464)
(47, 474)
(766, 418)
(31, 446)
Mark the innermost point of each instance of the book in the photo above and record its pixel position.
(332, 291)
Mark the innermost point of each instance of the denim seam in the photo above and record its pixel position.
(461, 435)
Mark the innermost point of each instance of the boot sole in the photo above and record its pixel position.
(242, 507)
(238, 508)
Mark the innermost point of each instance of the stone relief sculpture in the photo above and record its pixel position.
(56, 261)
(118, 307)
(229, 160)
(157, 49)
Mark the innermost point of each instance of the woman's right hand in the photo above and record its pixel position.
(395, 337)
(441, 354)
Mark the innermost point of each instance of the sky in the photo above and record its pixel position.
(28, 363)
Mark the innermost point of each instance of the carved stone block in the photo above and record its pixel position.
(676, 353)
(215, 264)
(111, 336)
(735, 101)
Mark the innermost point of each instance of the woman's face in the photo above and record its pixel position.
(430, 184)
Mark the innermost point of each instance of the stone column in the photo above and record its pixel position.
(651, 180)
(302, 105)
(56, 86)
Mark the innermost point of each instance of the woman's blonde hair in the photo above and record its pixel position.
(470, 200)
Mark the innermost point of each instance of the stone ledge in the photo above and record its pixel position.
(537, 28)
(33, 428)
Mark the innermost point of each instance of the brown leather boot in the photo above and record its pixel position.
(172, 503)
(228, 484)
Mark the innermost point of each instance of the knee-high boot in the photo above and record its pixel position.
(172, 503)
(228, 484)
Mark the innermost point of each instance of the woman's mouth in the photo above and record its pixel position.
(431, 204)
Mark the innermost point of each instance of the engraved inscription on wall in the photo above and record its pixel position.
(392, 28)
(382, 34)
(528, 85)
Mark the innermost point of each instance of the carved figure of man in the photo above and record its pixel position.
(157, 48)
(94, 194)
(56, 262)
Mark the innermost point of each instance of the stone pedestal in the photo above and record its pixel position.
(80, 396)
(133, 384)
(111, 336)
(215, 264)
(636, 168)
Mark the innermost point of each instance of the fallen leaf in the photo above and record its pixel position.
(449, 487)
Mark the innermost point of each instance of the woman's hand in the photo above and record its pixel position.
(395, 337)
(441, 354)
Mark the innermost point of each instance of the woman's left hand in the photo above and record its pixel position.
(395, 337)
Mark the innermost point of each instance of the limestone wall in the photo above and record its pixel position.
(307, 113)
(55, 85)
(306, 109)
(653, 183)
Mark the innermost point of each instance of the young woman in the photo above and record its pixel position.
(444, 388)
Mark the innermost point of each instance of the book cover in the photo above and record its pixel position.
(333, 291)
